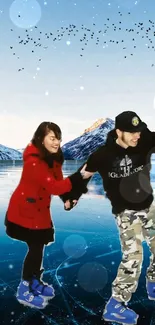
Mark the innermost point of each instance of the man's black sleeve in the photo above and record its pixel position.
(93, 162)
(147, 139)
(153, 142)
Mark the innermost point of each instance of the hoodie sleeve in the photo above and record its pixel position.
(94, 160)
(147, 140)
(153, 142)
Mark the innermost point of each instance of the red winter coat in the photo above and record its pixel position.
(29, 205)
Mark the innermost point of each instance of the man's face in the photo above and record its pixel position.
(130, 139)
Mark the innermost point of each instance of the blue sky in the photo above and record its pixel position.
(116, 71)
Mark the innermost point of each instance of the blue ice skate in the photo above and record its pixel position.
(116, 312)
(40, 288)
(27, 298)
(150, 287)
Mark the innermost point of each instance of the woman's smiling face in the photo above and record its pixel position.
(51, 143)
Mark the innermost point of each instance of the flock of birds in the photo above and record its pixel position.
(87, 34)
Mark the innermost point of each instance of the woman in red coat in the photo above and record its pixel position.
(28, 215)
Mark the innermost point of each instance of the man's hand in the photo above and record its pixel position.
(84, 173)
(70, 204)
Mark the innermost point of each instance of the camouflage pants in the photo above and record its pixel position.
(134, 227)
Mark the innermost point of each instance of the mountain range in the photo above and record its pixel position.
(79, 148)
(9, 153)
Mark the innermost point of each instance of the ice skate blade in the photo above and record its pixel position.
(119, 322)
(151, 298)
(47, 297)
(27, 304)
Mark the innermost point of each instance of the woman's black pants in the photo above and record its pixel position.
(33, 261)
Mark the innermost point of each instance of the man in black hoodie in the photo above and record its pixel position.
(124, 165)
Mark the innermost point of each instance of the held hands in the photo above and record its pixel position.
(84, 173)
(69, 204)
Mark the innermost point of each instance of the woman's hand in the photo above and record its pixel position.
(85, 174)
(69, 205)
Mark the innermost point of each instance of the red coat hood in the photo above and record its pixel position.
(29, 150)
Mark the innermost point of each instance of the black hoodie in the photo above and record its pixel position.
(125, 172)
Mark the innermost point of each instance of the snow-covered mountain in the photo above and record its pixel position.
(9, 154)
(21, 150)
(95, 125)
(89, 141)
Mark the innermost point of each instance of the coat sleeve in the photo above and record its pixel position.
(41, 174)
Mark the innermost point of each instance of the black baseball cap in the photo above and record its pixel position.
(129, 121)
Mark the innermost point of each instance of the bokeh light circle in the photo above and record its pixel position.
(92, 277)
(25, 13)
(75, 246)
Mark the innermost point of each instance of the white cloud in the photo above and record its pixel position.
(15, 131)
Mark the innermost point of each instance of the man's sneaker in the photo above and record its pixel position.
(27, 298)
(116, 312)
(40, 288)
(150, 287)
